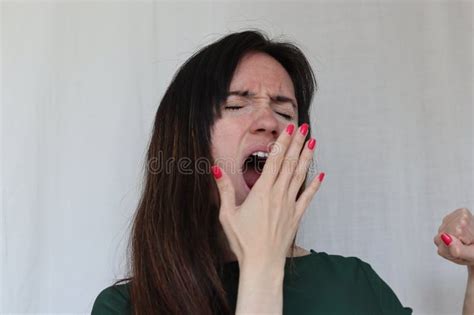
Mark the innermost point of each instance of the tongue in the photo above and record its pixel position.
(251, 176)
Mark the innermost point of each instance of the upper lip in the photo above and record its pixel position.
(254, 148)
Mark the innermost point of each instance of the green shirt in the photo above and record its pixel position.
(324, 284)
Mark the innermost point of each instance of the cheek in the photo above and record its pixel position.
(225, 137)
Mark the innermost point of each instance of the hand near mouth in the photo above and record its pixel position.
(260, 230)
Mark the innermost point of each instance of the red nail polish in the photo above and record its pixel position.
(311, 143)
(446, 239)
(216, 171)
(290, 128)
(321, 177)
(304, 129)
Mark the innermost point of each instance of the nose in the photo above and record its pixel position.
(265, 121)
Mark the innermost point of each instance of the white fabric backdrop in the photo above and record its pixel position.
(80, 87)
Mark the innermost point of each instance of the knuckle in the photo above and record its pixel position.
(304, 203)
(279, 190)
(465, 212)
(312, 189)
(300, 140)
(225, 186)
(276, 148)
(299, 176)
(455, 253)
(285, 165)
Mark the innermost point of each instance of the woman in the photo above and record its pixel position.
(224, 192)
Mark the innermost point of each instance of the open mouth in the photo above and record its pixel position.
(253, 167)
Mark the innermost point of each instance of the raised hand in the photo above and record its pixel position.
(455, 242)
(455, 238)
(263, 227)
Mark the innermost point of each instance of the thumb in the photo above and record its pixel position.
(226, 188)
(457, 249)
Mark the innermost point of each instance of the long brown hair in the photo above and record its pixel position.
(176, 253)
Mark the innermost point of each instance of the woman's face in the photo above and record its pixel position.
(256, 119)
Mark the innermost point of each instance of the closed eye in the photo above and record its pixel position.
(233, 107)
(288, 117)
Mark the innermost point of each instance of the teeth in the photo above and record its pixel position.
(260, 154)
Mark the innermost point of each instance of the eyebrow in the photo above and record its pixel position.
(250, 95)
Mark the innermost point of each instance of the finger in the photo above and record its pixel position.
(226, 189)
(457, 249)
(444, 252)
(292, 158)
(275, 157)
(307, 195)
(460, 226)
(437, 239)
(301, 169)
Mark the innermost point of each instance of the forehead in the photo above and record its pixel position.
(262, 74)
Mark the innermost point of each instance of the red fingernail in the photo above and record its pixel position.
(446, 239)
(304, 129)
(311, 143)
(216, 171)
(321, 177)
(290, 128)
